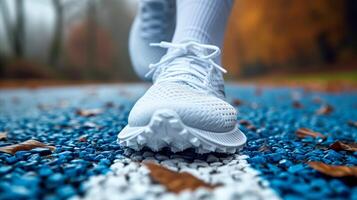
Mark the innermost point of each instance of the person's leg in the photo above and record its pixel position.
(186, 107)
(154, 22)
(202, 21)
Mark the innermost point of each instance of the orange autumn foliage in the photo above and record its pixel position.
(280, 32)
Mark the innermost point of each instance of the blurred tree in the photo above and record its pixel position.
(91, 33)
(55, 48)
(285, 35)
(15, 32)
(59, 7)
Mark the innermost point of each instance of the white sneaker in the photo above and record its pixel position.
(185, 108)
(154, 22)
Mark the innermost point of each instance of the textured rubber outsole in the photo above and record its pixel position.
(167, 130)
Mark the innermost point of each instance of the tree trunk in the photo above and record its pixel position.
(4, 11)
(19, 31)
(91, 35)
(56, 46)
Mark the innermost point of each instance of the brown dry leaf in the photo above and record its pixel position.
(352, 123)
(264, 148)
(3, 135)
(89, 112)
(174, 181)
(340, 146)
(338, 171)
(252, 127)
(25, 146)
(317, 100)
(305, 132)
(258, 91)
(244, 122)
(237, 102)
(109, 104)
(247, 124)
(83, 138)
(297, 104)
(324, 110)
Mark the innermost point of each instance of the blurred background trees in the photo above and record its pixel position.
(65, 39)
(87, 39)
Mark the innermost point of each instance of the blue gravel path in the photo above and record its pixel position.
(86, 145)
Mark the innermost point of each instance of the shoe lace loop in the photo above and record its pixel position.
(177, 63)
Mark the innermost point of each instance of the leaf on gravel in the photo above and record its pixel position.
(83, 138)
(174, 181)
(3, 135)
(338, 171)
(258, 91)
(297, 104)
(109, 104)
(324, 110)
(264, 148)
(317, 100)
(25, 146)
(247, 124)
(352, 123)
(237, 102)
(305, 132)
(340, 146)
(89, 112)
(244, 122)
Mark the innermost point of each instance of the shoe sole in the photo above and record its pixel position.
(166, 129)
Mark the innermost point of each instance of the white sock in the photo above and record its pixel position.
(203, 21)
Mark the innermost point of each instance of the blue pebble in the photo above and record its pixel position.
(55, 180)
(65, 192)
(45, 171)
(41, 151)
(11, 160)
(285, 163)
(104, 162)
(21, 155)
(296, 168)
(257, 160)
(5, 169)
(333, 155)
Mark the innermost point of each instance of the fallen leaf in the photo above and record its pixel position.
(352, 123)
(25, 146)
(258, 91)
(83, 138)
(244, 122)
(324, 110)
(174, 181)
(297, 104)
(3, 135)
(89, 112)
(109, 104)
(247, 124)
(317, 100)
(237, 102)
(340, 146)
(43, 107)
(90, 125)
(252, 127)
(337, 171)
(254, 105)
(264, 148)
(305, 132)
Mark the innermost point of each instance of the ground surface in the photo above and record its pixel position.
(89, 164)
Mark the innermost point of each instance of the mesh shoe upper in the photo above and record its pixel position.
(188, 82)
(196, 109)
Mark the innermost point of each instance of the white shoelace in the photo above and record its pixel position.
(178, 62)
(154, 18)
